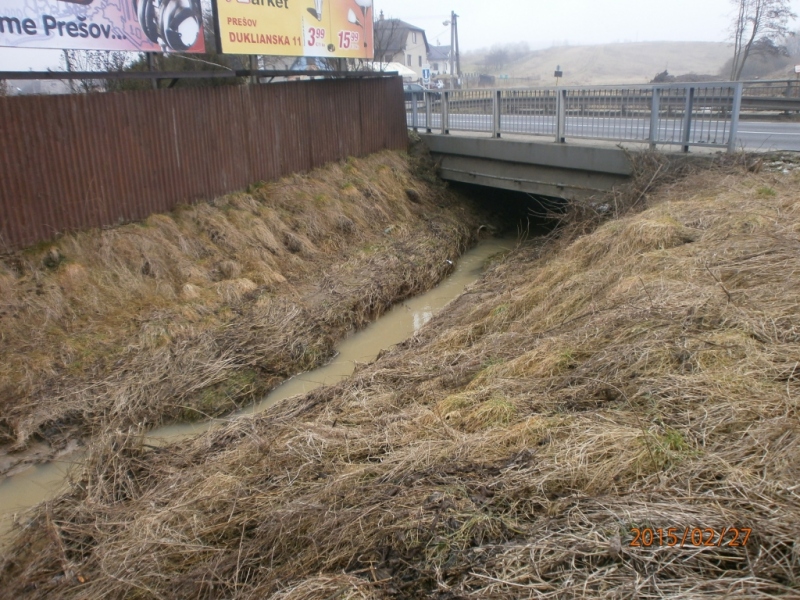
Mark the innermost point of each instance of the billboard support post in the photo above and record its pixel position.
(253, 68)
(154, 81)
(69, 70)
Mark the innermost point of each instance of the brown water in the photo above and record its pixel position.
(41, 482)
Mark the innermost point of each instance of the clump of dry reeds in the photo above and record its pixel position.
(644, 376)
(650, 171)
(194, 313)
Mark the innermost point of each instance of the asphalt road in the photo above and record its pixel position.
(760, 135)
(752, 135)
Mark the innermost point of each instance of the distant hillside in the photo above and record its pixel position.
(635, 62)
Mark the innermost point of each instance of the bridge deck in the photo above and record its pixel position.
(568, 171)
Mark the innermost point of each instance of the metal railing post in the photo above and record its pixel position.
(445, 112)
(561, 116)
(428, 111)
(687, 119)
(497, 106)
(414, 114)
(655, 108)
(737, 107)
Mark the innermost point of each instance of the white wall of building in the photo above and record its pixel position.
(416, 54)
(440, 67)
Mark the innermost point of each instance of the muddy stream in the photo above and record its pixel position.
(42, 482)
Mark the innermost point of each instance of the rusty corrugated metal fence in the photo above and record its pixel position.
(94, 160)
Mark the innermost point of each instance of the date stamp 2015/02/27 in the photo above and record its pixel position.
(690, 537)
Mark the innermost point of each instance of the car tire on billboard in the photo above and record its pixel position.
(132, 25)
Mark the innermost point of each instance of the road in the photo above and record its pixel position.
(760, 135)
(752, 135)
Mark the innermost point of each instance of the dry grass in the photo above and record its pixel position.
(194, 313)
(645, 374)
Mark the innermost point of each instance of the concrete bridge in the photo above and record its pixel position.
(541, 168)
(516, 139)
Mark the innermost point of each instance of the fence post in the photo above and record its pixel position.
(687, 118)
(737, 107)
(561, 116)
(445, 111)
(414, 115)
(497, 106)
(655, 108)
(428, 111)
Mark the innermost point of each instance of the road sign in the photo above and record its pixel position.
(426, 74)
(797, 69)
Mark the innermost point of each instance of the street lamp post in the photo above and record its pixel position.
(455, 66)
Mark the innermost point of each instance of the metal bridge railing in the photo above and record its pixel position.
(696, 114)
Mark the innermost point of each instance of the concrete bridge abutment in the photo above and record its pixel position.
(568, 171)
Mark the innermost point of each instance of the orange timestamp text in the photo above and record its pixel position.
(690, 537)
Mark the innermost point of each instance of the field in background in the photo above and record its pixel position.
(636, 62)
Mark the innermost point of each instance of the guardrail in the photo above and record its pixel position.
(773, 88)
(782, 95)
(696, 114)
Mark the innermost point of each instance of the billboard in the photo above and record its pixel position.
(136, 25)
(320, 28)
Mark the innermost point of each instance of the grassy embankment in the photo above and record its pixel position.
(200, 311)
(643, 374)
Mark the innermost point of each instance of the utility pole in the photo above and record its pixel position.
(458, 54)
(455, 60)
(452, 46)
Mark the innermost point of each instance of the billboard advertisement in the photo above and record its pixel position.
(135, 25)
(320, 28)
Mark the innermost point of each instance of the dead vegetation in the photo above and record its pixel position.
(197, 312)
(641, 375)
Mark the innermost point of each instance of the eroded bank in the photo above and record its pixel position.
(194, 314)
(639, 374)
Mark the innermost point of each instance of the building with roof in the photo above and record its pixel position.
(398, 41)
(439, 60)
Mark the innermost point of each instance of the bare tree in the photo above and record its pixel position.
(103, 61)
(386, 43)
(757, 20)
(792, 43)
(496, 59)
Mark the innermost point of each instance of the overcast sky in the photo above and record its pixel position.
(540, 23)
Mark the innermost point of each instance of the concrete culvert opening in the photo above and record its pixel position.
(529, 215)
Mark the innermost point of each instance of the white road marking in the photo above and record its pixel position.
(766, 132)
